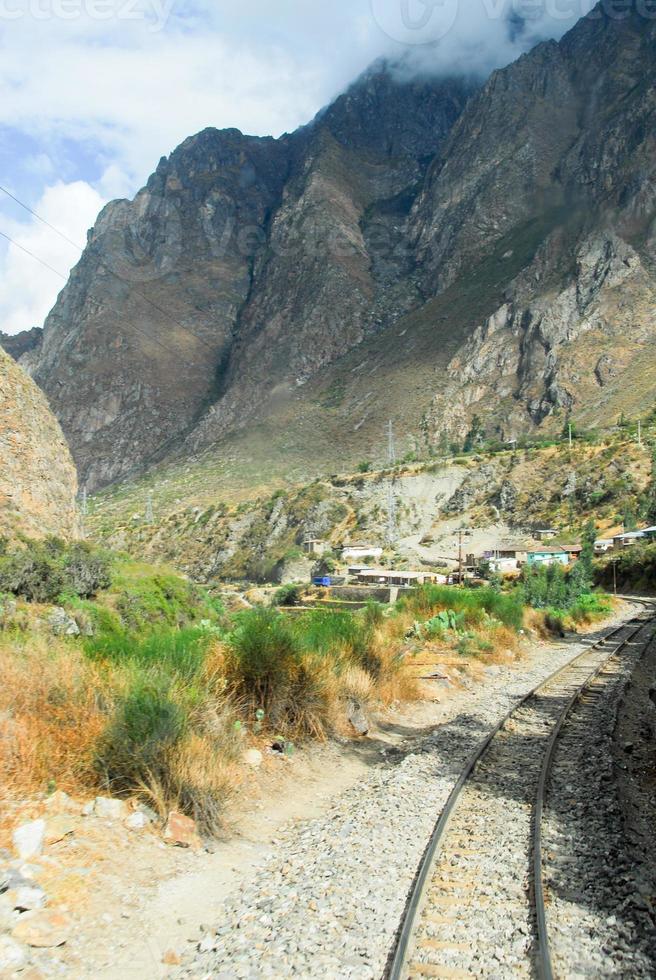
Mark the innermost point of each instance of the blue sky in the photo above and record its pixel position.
(94, 92)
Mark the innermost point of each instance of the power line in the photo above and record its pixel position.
(42, 220)
(36, 257)
(120, 317)
(105, 266)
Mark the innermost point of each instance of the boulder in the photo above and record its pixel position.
(59, 827)
(28, 898)
(181, 831)
(357, 718)
(8, 914)
(108, 808)
(28, 839)
(59, 802)
(137, 821)
(62, 624)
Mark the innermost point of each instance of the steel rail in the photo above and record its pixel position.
(415, 903)
(544, 961)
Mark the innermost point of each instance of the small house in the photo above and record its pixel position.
(547, 556)
(314, 546)
(358, 552)
(508, 552)
(602, 545)
(627, 540)
(382, 576)
(545, 533)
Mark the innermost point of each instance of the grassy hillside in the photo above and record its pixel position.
(214, 534)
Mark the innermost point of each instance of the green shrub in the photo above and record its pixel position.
(287, 595)
(41, 571)
(264, 654)
(146, 724)
(87, 570)
(32, 575)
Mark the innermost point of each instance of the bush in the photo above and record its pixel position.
(635, 570)
(32, 575)
(287, 595)
(147, 723)
(87, 570)
(263, 657)
(41, 571)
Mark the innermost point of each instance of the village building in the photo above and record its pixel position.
(382, 576)
(573, 550)
(358, 552)
(508, 556)
(548, 556)
(629, 538)
(545, 533)
(314, 546)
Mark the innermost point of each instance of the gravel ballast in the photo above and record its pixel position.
(599, 918)
(331, 894)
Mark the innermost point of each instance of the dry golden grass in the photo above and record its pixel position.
(50, 717)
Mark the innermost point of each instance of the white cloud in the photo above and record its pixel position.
(27, 288)
(103, 88)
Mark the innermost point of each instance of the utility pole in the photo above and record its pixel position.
(150, 517)
(614, 564)
(84, 510)
(569, 429)
(460, 557)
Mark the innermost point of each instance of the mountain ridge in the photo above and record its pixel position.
(256, 273)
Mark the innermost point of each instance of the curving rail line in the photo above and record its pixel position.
(401, 967)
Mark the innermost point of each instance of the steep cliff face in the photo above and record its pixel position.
(577, 162)
(37, 477)
(426, 250)
(242, 265)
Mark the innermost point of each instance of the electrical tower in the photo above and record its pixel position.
(391, 501)
(391, 452)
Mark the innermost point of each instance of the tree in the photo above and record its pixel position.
(650, 503)
(476, 435)
(629, 518)
(588, 541)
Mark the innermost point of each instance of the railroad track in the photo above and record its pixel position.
(478, 907)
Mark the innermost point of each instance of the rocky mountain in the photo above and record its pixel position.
(38, 483)
(243, 262)
(21, 343)
(427, 250)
